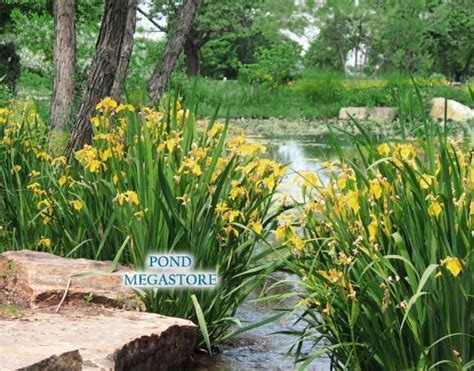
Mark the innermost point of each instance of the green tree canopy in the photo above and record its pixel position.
(421, 36)
(222, 23)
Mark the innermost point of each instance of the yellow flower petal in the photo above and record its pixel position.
(76, 204)
(62, 180)
(453, 265)
(256, 227)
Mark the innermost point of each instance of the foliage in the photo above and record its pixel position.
(342, 27)
(226, 34)
(274, 66)
(386, 264)
(30, 25)
(223, 57)
(144, 56)
(322, 87)
(451, 29)
(456, 94)
(275, 16)
(323, 54)
(215, 18)
(310, 97)
(34, 36)
(393, 90)
(220, 32)
(148, 183)
(390, 49)
(380, 36)
(9, 66)
(5, 92)
(241, 99)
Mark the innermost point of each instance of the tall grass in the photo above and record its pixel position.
(386, 262)
(315, 95)
(149, 182)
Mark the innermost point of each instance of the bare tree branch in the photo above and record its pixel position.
(152, 21)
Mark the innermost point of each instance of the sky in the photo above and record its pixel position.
(144, 27)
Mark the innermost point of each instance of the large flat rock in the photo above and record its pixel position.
(357, 113)
(39, 331)
(380, 115)
(118, 340)
(42, 279)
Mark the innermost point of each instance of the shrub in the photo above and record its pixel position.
(274, 66)
(386, 261)
(5, 93)
(368, 97)
(149, 182)
(322, 87)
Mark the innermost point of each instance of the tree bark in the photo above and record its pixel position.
(467, 66)
(191, 58)
(102, 71)
(126, 51)
(65, 67)
(174, 46)
(342, 57)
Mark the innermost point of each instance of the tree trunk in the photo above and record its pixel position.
(174, 46)
(102, 71)
(342, 57)
(191, 58)
(467, 66)
(65, 68)
(126, 52)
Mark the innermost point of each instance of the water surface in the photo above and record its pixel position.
(263, 348)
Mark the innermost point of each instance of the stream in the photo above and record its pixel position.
(263, 348)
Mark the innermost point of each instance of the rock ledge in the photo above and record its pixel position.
(83, 335)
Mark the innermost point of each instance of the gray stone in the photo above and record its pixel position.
(455, 111)
(66, 361)
(358, 113)
(380, 115)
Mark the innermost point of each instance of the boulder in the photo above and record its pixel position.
(89, 330)
(113, 340)
(358, 113)
(380, 115)
(455, 111)
(42, 279)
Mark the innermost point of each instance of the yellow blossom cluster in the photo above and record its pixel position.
(132, 154)
(354, 215)
(130, 197)
(4, 113)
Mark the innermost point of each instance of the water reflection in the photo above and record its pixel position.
(300, 155)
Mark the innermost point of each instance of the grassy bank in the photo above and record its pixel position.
(313, 96)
